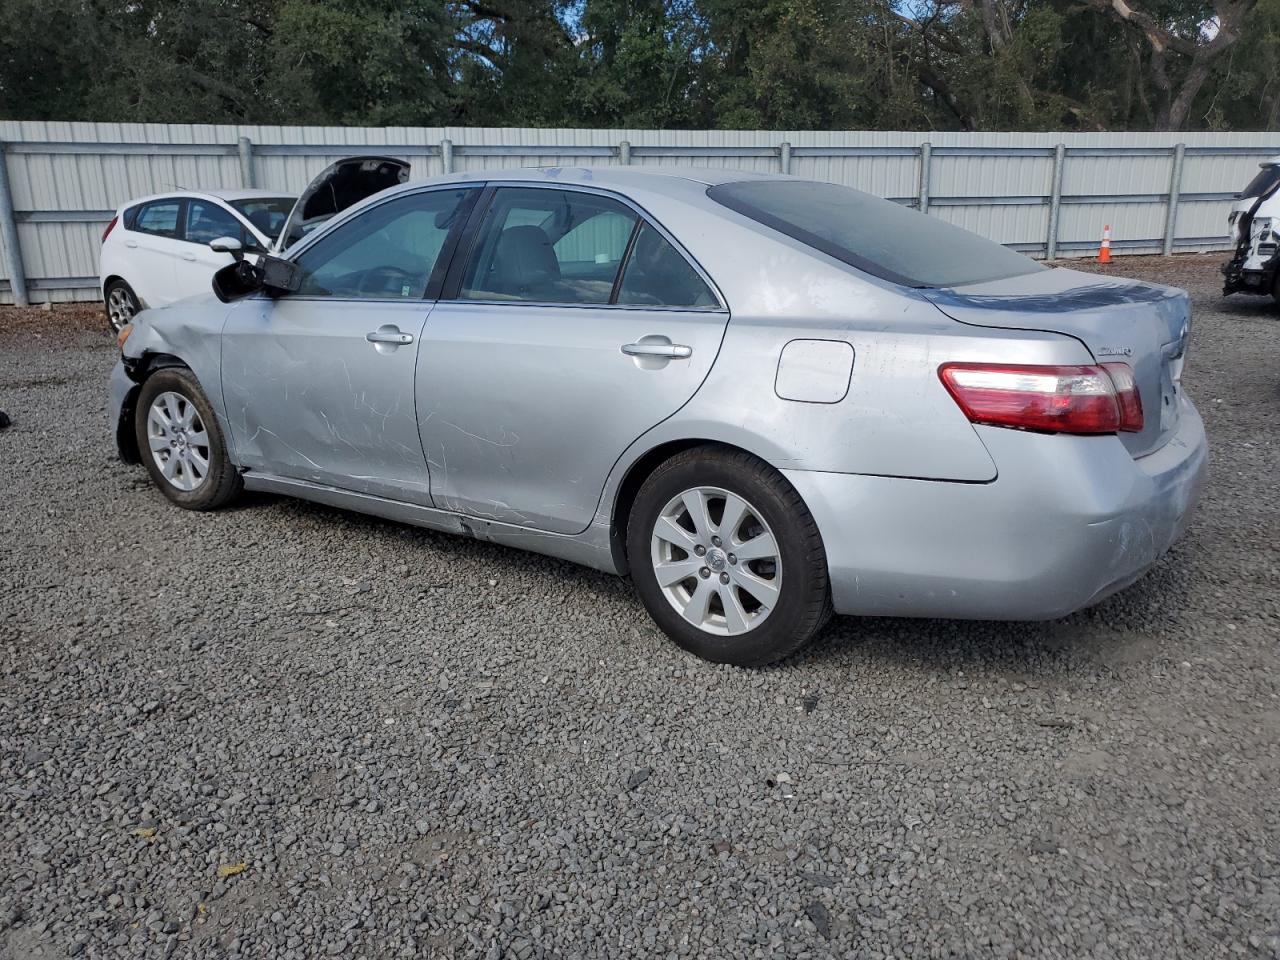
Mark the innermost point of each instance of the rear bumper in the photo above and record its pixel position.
(1068, 521)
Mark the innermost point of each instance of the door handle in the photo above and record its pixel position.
(132, 244)
(392, 335)
(189, 256)
(667, 351)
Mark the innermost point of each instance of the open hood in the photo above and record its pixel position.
(340, 185)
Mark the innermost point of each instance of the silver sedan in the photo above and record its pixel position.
(763, 398)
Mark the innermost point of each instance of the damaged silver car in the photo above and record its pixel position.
(763, 398)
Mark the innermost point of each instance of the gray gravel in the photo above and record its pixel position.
(418, 745)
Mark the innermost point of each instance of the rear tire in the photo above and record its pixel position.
(744, 581)
(181, 444)
(121, 304)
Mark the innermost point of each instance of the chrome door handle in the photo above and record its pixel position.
(389, 336)
(669, 351)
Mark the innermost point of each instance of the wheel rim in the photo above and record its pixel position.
(120, 308)
(178, 440)
(716, 561)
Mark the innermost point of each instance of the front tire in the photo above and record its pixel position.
(121, 304)
(727, 559)
(181, 443)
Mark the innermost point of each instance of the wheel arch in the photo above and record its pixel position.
(146, 365)
(639, 471)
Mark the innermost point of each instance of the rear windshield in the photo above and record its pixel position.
(877, 236)
(1266, 179)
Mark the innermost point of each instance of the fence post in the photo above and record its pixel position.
(1175, 190)
(624, 153)
(246, 163)
(1055, 200)
(9, 235)
(926, 161)
(784, 154)
(446, 156)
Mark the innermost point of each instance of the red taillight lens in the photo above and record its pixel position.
(110, 226)
(1075, 399)
(1127, 395)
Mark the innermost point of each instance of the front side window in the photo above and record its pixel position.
(207, 221)
(160, 218)
(548, 246)
(876, 236)
(658, 275)
(387, 252)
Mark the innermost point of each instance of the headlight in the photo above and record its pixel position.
(123, 335)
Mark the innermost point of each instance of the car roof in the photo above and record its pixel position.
(226, 196)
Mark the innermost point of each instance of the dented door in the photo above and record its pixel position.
(310, 396)
(319, 384)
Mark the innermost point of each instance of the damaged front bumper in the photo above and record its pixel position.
(122, 395)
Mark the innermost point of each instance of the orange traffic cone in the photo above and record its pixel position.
(1104, 251)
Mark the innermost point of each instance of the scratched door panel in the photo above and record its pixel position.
(309, 397)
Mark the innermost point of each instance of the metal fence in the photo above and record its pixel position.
(1044, 194)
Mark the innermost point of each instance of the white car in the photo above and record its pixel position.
(156, 250)
(1254, 225)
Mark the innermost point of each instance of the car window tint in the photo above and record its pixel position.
(877, 236)
(387, 252)
(548, 246)
(159, 218)
(207, 222)
(658, 275)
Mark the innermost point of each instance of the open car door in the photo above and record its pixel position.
(339, 185)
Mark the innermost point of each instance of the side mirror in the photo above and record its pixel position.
(279, 276)
(271, 274)
(228, 245)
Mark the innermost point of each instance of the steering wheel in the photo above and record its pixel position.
(387, 279)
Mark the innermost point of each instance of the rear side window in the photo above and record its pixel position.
(207, 222)
(658, 275)
(876, 236)
(548, 246)
(160, 218)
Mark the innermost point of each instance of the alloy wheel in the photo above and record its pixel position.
(120, 307)
(716, 561)
(178, 440)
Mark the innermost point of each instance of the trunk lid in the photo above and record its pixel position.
(1142, 324)
(340, 185)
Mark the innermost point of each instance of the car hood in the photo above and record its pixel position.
(340, 185)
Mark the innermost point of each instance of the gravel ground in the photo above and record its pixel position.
(286, 731)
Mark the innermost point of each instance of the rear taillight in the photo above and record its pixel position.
(1075, 399)
(110, 226)
(1127, 395)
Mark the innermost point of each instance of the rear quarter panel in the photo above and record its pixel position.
(896, 419)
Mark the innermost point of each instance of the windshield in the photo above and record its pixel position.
(1267, 178)
(877, 236)
(268, 214)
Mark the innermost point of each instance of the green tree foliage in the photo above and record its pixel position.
(785, 64)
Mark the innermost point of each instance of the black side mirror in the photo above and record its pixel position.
(271, 274)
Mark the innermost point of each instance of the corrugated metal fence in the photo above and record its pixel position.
(1046, 194)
